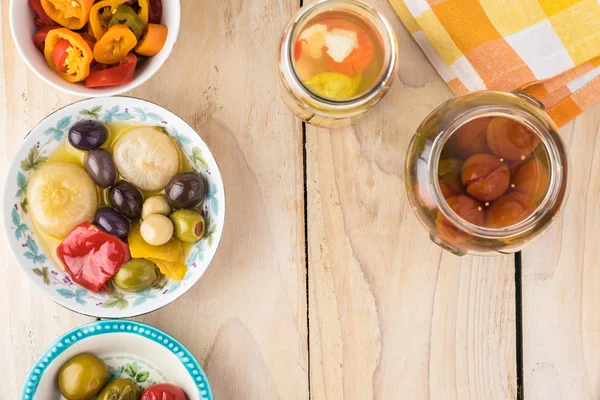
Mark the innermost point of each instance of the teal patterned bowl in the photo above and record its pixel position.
(132, 350)
(30, 254)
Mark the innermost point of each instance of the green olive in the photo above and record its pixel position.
(120, 389)
(136, 275)
(189, 225)
(82, 377)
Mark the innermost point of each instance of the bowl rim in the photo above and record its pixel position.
(95, 328)
(107, 91)
(5, 217)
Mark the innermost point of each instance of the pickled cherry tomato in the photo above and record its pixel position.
(509, 209)
(532, 179)
(360, 58)
(470, 138)
(511, 140)
(449, 177)
(485, 177)
(466, 208)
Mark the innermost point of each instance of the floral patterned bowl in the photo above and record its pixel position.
(132, 350)
(50, 277)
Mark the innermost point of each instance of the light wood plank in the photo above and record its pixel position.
(391, 315)
(561, 282)
(246, 319)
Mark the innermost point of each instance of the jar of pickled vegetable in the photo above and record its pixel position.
(487, 172)
(337, 60)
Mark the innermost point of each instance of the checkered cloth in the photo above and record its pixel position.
(549, 48)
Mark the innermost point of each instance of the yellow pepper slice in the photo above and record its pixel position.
(80, 54)
(334, 85)
(72, 14)
(116, 43)
(101, 14)
(173, 270)
(144, 11)
(170, 251)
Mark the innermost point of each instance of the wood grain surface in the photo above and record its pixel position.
(376, 311)
(561, 282)
(392, 316)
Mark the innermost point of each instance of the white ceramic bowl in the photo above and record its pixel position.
(132, 350)
(47, 274)
(23, 30)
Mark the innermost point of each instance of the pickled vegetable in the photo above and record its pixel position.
(532, 179)
(100, 167)
(156, 230)
(163, 391)
(174, 270)
(467, 209)
(126, 199)
(155, 205)
(147, 158)
(126, 16)
(82, 377)
(469, 139)
(88, 135)
(186, 190)
(91, 257)
(511, 140)
(485, 176)
(508, 210)
(136, 275)
(449, 177)
(112, 222)
(334, 85)
(170, 251)
(61, 196)
(120, 389)
(189, 225)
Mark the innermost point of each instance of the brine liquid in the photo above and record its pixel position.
(65, 152)
(493, 172)
(338, 55)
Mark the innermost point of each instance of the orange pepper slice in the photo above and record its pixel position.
(154, 40)
(72, 14)
(116, 43)
(80, 54)
(101, 14)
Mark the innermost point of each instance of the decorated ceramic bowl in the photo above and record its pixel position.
(44, 269)
(131, 350)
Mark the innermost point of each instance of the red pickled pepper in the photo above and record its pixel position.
(91, 257)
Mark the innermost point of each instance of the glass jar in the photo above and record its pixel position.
(423, 182)
(320, 110)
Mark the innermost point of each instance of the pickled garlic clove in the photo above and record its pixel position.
(339, 47)
(313, 41)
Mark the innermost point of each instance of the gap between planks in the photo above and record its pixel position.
(519, 325)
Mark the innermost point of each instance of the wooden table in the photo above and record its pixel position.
(325, 285)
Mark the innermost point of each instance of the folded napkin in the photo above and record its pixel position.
(548, 48)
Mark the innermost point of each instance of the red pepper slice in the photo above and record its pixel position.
(42, 17)
(92, 257)
(39, 40)
(118, 75)
(163, 391)
(59, 54)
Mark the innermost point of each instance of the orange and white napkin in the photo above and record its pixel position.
(548, 48)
